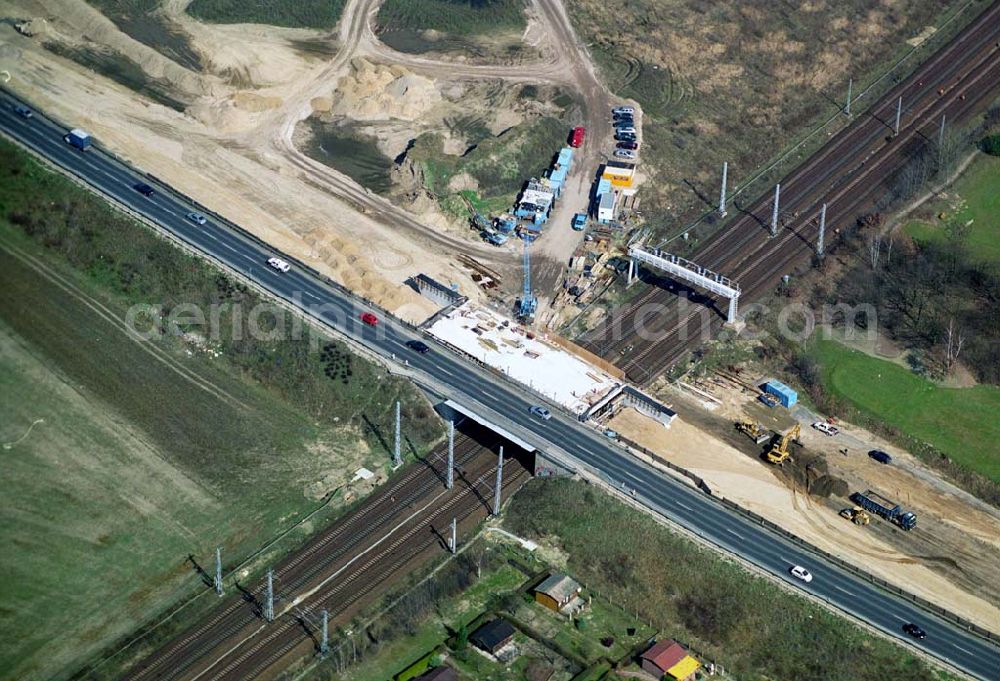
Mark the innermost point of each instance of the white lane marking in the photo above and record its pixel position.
(842, 589)
(683, 505)
(967, 652)
(735, 534)
(901, 619)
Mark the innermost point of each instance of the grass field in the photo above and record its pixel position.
(499, 165)
(319, 14)
(703, 72)
(977, 199)
(149, 451)
(743, 622)
(602, 634)
(961, 422)
(454, 17)
(433, 630)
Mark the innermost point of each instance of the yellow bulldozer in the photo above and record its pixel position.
(753, 430)
(779, 450)
(856, 515)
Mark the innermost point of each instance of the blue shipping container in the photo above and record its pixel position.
(785, 395)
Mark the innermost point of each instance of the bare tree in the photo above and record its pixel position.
(953, 346)
(874, 251)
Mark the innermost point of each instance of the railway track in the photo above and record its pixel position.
(847, 173)
(318, 557)
(795, 245)
(291, 635)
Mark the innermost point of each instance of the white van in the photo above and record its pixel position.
(279, 264)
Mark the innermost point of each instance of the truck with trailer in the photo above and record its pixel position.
(876, 503)
(79, 139)
(786, 396)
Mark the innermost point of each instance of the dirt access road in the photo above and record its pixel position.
(950, 559)
(232, 148)
(566, 63)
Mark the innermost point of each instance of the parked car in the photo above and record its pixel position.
(826, 428)
(541, 412)
(800, 572)
(418, 346)
(625, 153)
(880, 456)
(144, 189)
(624, 120)
(197, 218)
(626, 130)
(914, 630)
(624, 137)
(279, 264)
(618, 110)
(369, 319)
(576, 136)
(628, 145)
(23, 111)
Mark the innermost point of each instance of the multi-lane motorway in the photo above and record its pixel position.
(467, 383)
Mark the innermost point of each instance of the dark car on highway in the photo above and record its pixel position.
(23, 111)
(914, 630)
(144, 189)
(418, 346)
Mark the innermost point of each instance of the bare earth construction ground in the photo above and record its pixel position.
(950, 559)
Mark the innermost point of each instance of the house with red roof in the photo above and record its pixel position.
(668, 659)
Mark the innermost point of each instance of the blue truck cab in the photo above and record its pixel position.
(579, 221)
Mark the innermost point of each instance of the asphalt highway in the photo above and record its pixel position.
(466, 382)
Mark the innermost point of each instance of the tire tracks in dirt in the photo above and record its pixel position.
(567, 64)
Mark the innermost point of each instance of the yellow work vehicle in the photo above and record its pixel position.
(856, 515)
(753, 430)
(779, 450)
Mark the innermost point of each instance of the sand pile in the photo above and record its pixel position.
(376, 92)
(65, 18)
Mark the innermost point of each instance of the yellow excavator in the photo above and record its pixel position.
(856, 515)
(779, 450)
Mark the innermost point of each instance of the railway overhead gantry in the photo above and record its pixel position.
(681, 268)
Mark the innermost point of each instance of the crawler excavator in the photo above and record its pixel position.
(779, 450)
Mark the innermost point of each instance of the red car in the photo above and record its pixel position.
(576, 139)
(369, 319)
